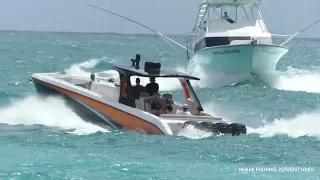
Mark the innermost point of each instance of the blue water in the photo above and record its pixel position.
(43, 139)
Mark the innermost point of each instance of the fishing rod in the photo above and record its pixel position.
(281, 35)
(160, 34)
(294, 35)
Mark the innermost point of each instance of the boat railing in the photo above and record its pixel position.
(193, 117)
(206, 5)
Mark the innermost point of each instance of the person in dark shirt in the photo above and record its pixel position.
(137, 89)
(152, 87)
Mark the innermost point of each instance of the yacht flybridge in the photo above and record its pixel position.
(230, 37)
(113, 104)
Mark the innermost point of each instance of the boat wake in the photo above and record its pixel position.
(293, 80)
(290, 80)
(51, 112)
(80, 69)
(302, 125)
(193, 133)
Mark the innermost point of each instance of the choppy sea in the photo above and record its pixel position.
(43, 139)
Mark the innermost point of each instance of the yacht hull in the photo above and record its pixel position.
(239, 60)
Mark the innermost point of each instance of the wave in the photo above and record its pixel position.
(51, 112)
(293, 80)
(305, 124)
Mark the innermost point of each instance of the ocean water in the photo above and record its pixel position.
(43, 139)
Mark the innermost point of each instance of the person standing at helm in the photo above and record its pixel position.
(226, 17)
(137, 89)
(152, 87)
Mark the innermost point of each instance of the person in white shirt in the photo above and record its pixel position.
(93, 78)
(184, 110)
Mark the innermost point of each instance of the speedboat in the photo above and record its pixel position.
(231, 38)
(111, 102)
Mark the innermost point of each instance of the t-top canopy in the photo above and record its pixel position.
(132, 71)
(221, 3)
(231, 2)
(151, 69)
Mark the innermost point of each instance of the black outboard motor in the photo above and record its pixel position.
(234, 129)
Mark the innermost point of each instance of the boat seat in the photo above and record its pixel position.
(82, 85)
(139, 104)
(148, 107)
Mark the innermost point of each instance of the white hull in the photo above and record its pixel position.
(238, 60)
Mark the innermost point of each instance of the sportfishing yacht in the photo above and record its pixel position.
(231, 38)
(112, 103)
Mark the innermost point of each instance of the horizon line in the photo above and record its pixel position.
(117, 33)
(83, 32)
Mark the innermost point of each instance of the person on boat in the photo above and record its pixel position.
(227, 18)
(92, 79)
(137, 89)
(167, 109)
(152, 87)
(156, 105)
(200, 111)
(184, 110)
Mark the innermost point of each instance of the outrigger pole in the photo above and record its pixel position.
(160, 34)
(294, 35)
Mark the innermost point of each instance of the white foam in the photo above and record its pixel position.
(306, 124)
(194, 133)
(51, 112)
(293, 80)
(77, 69)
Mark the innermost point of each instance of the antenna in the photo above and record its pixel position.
(163, 36)
(135, 62)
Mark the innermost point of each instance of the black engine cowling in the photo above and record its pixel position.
(238, 129)
(234, 129)
(224, 128)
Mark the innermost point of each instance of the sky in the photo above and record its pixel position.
(165, 16)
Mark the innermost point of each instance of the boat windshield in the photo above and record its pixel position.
(163, 83)
(235, 13)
